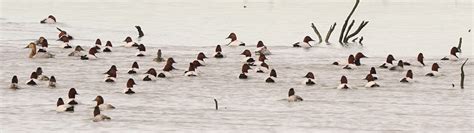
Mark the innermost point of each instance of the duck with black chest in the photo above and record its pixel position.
(65, 42)
(191, 71)
(388, 63)
(129, 42)
(245, 70)
(43, 43)
(434, 70)
(304, 43)
(63, 33)
(14, 84)
(292, 97)
(52, 82)
(129, 88)
(350, 63)
(358, 57)
(72, 96)
(452, 55)
(41, 76)
(309, 79)
(399, 66)
(262, 49)
(233, 40)
(33, 79)
(248, 57)
(61, 107)
(371, 82)
(91, 55)
(167, 69)
(49, 20)
(141, 50)
(218, 51)
(408, 78)
(272, 77)
(373, 73)
(99, 117)
(262, 66)
(200, 58)
(150, 75)
(108, 47)
(101, 103)
(98, 44)
(134, 69)
(111, 74)
(344, 84)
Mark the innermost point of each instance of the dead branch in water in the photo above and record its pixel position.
(328, 35)
(459, 45)
(360, 40)
(462, 74)
(355, 39)
(317, 32)
(343, 30)
(217, 106)
(348, 29)
(362, 25)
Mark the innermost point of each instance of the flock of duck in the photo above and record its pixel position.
(39, 50)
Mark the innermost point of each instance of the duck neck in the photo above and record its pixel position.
(33, 51)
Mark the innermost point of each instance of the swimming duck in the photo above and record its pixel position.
(61, 107)
(91, 55)
(101, 104)
(134, 68)
(150, 75)
(167, 69)
(39, 72)
(399, 66)
(14, 84)
(72, 96)
(33, 79)
(65, 43)
(111, 74)
(388, 63)
(77, 51)
(43, 43)
(200, 58)
(434, 70)
(292, 97)
(218, 53)
(305, 43)
(141, 50)
(370, 82)
(408, 77)
(233, 40)
(50, 20)
(350, 63)
(63, 33)
(130, 84)
(98, 44)
(270, 79)
(158, 57)
(99, 117)
(34, 54)
(373, 73)
(358, 57)
(191, 71)
(248, 57)
(108, 47)
(452, 56)
(245, 68)
(309, 79)
(344, 84)
(262, 49)
(129, 43)
(52, 82)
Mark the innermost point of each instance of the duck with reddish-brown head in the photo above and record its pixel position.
(141, 50)
(108, 47)
(408, 78)
(452, 54)
(248, 57)
(245, 70)
(91, 55)
(130, 84)
(150, 75)
(370, 82)
(49, 20)
(233, 41)
(388, 63)
(262, 49)
(191, 72)
(134, 69)
(344, 84)
(167, 69)
(292, 97)
(77, 52)
(61, 107)
(305, 43)
(129, 42)
(218, 51)
(272, 77)
(309, 79)
(14, 83)
(434, 70)
(111, 74)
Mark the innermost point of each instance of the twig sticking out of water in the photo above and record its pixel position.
(317, 32)
(361, 39)
(343, 30)
(140, 32)
(362, 25)
(217, 106)
(462, 74)
(328, 35)
(459, 45)
(348, 29)
(355, 39)
(469, 30)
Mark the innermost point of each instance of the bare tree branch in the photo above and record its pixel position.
(355, 39)
(317, 32)
(345, 22)
(328, 35)
(462, 74)
(348, 30)
(361, 39)
(362, 25)
(459, 45)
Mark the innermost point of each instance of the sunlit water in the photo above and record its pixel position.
(182, 29)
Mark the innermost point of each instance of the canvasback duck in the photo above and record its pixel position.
(452, 56)
(262, 49)
(108, 47)
(72, 96)
(49, 20)
(245, 69)
(111, 74)
(101, 104)
(233, 41)
(273, 75)
(35, 54)
(373, 73)
(91, 55)
(408, 77)
(248, 57)
(344, 83)
(141, 50)
(292, 97)
(150, 75)
(309, 79)
(158, 57)
(98, 44)
(358, 57)
(399, 66)
(196, 64)
(99, 117)
(388, 63)
(218, 51)
(200, 58)
(129, 88)
(129, 43)
(140, 32)
(167, 69)
(350, 62)
(63, 33)
(77, 52)
(262, 66)
(134, 68)
(43, 43)
(434, 70)
(39, 72)
(61, 107)
(14, 84)
(305, 43)
(191, 72)
(261, 59)
(33, 79)
(52, 82)
(370, 82)
(65, 42)
(420, 59)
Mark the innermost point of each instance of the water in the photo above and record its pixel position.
(184, 28)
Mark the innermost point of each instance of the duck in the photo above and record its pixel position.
(134, 68)
(108, 47)
(101, 104)
(191, 71)
(49, 20)
(129, 43)
(111, 74)
(167, 69)
(130, 84)
(65, 43)
(33, 79)
(420, 59)
(344, 83)
(72, 96)
(388, 63)
(434, 70)
(233, 40)
(99, 117)
(273, 75)
(43, 43)
(309, 79)
(262, 49)
(158, 57)
(350, 63)
(91, 55)
(452, 56)
(61, 107)
(64, 33)
(373, 73)
(261, 59)
(245, 68)
(262, 68)
(292, 97)
(141, 50)
(371, 82)
(35, 54)
(196, 65)
(248, 57)
(77, 52)
(52, 82)
(305, 43)
(150, 75)
(98, 44)
(358, 57)
(218, 51)
(399, 66)
(200, 58)
(14, 84)
(408, 78)
(39, 72)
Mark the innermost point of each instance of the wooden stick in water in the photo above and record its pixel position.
(462, 74)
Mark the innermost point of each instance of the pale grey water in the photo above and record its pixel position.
(182, 29)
